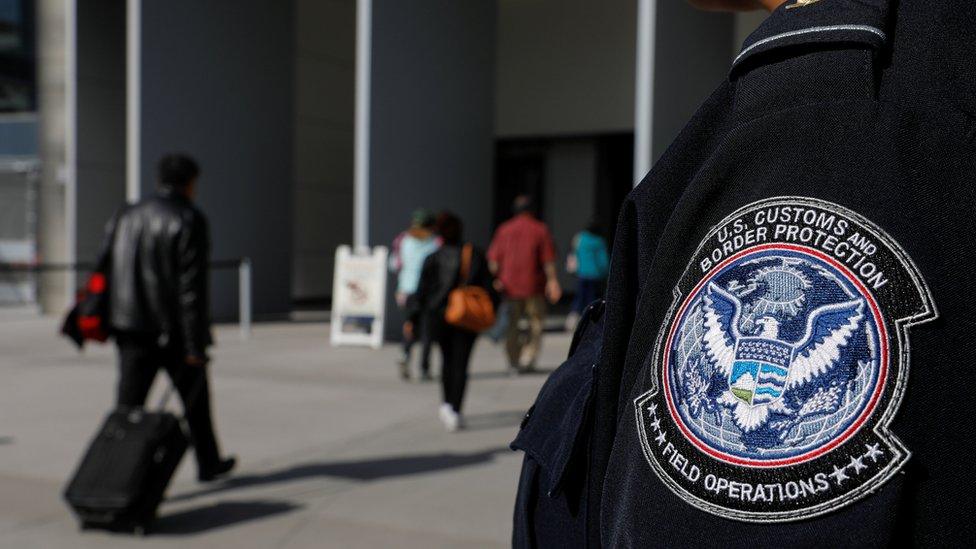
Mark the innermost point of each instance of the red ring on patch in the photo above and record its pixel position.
(837, 441)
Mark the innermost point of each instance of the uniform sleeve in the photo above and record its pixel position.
(622, 290)
(193, 257)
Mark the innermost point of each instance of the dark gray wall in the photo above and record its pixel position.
(431, 133)
(692, 56)
(565, 67)
(218, 83)
(100, 103)
(325, 38)
(569, 196)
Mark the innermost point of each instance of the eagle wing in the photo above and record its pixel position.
(829, 328)
(721, 322)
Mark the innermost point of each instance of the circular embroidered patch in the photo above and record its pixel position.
(781, 363)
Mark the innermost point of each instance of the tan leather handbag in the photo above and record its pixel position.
(469, 307)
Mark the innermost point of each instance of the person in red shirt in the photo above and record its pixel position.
(523, 259)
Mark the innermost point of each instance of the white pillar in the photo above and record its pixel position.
(644, 94)
(71, 144)
(364, 24)
(133, 102)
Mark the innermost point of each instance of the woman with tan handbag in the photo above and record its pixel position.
(455, 293)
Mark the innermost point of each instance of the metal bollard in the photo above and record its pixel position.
(244, 299)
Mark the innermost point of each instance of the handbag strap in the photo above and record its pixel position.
(466, 252)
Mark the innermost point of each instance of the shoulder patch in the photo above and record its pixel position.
(781, 363)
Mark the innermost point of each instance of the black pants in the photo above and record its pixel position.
(422, 333)
(456, 346)
(140, 357)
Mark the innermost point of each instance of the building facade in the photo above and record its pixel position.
(326, 122)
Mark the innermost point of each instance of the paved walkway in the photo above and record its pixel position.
(335, 451)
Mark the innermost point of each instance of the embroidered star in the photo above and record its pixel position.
(656, 424)
(660, 438)
(652, 409)
(873, 451)
(839, 474)
(857, 464)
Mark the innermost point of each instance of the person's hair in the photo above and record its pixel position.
(422, 218)
(177, 170)
(449, 227)
(522, 203)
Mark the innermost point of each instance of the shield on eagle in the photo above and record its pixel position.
(760, 370)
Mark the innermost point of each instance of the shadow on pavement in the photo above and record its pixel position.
(218, 515)
(493, 420)
(496, 374)
(363, 470)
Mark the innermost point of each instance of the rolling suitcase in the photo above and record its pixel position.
(120, 481)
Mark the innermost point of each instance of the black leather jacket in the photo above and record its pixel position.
(158, 274)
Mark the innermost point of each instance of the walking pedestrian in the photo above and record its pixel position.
(452, 265)
(159, 303)
(410, 249)
(589, 260)
(523, 258)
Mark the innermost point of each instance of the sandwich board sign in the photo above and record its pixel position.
(359, 296)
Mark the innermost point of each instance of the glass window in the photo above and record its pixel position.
(17, 56)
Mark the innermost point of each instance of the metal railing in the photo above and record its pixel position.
(243, 266)
(19, 184)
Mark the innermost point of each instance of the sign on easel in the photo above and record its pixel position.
(359, 296)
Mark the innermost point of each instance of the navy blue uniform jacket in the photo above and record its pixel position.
(788, 344)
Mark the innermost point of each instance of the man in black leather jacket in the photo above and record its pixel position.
(159, 302)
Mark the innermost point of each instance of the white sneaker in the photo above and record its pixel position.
(454, 422)
(451, 419)
(444, 413)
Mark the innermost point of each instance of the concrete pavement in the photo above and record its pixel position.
(334, 450)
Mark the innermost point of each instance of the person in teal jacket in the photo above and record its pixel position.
(589, 260)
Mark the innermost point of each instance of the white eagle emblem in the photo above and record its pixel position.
(762, 368)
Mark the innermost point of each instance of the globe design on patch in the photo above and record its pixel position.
(774, 357)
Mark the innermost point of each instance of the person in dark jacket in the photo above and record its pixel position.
(440, 275)
(159, 303)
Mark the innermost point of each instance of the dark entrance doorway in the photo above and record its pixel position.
(520, 168)
(571, 179)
